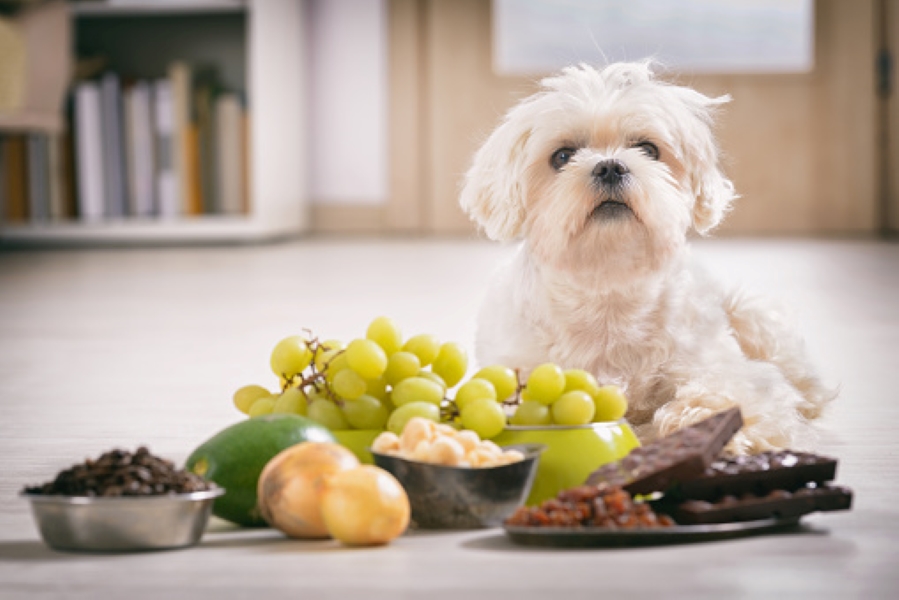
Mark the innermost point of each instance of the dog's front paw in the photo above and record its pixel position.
(677, 415)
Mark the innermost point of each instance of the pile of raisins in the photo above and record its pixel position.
(609, 507)
(122, 473)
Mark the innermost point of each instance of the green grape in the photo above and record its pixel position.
(579, 379)
(348, 384)
(262, 406)
(365, 412)
(328, 414)
(573, 408)
(432, 376)
(545, 383)
(531, 413)
(503, 379)
(484, 416)
(337, 364)
(291, 401)
(399, 417)
(247, 395)
(377, 388)
(401, 365)
(367, 358)
(472, 390)
(326, 352)
(451, 363)
(416, 389)
(425, 346)
(610, 403)
(385, 333)
(291, 356)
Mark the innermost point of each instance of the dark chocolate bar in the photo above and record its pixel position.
(679, 457)
(750, 507)
(759, 474)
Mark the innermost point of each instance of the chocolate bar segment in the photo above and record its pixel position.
(759, 474)
(679, 457)
(750, 507)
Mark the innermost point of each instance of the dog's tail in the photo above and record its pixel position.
(766, 333)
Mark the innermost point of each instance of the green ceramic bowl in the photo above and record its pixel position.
(571, 454)
(359, 441)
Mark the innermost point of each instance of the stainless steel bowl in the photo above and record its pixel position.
(122, 524)
(444, 497)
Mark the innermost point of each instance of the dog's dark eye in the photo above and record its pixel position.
(561, 157)
(649, 149)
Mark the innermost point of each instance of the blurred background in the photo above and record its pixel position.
(231, 120)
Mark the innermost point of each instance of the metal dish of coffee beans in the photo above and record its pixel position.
(122, 502)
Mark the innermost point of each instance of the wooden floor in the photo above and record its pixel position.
(122, 347)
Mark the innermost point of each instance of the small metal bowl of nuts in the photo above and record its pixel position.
(122, 502)
(473, 484)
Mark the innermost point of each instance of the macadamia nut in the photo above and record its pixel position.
(417, 430)
(386, 443)
(425, 441)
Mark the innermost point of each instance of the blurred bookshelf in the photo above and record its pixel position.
(173, 122)
(100, 8)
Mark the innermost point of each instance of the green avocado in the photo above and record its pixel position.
(234, 458)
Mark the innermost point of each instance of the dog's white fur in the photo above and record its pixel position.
(617, 294)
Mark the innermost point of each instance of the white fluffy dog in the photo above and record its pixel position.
(603, 174)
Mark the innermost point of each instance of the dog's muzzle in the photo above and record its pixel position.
(610, 177)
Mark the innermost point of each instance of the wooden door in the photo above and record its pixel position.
(889, 107)
(803, 150)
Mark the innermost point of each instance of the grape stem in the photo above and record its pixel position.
(449, 411)
(315, 379)
(515, 399)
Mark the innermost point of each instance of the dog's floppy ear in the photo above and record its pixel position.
(713, 191)
(714, 195)
(495, 187)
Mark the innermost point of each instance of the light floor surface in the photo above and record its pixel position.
(122, 347)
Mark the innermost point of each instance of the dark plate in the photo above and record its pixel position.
(562, 537)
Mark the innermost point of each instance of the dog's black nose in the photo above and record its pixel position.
(610, 172)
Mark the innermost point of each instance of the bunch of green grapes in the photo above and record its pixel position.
(379, 381)
(495, 397)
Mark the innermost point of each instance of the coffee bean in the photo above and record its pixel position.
(121, 473)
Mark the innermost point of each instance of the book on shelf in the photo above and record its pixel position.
(56, 177)
(230, 154)
(38, 175)
(138, 104)
(89, 154)
(69, 182)
(185, 138)
(14, 179)
(205, 89)
(168, 190)
(115, 186)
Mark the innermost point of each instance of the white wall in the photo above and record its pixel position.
(692, 36)
(348, 101)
